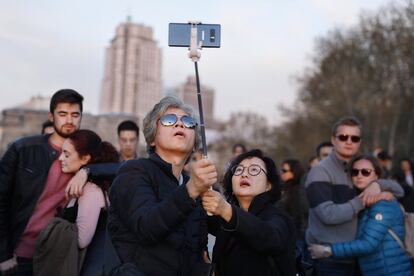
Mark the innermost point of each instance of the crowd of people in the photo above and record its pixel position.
(72, 204)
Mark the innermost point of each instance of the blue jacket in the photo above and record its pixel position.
(378, 253)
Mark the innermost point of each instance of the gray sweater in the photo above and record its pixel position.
(333, 202)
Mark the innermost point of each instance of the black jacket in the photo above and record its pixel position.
(23, 173)
(153, 222)
(258, 242)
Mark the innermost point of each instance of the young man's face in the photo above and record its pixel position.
(346, 148)
(128, 143)
(66, 119)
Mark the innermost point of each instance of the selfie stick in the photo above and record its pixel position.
(195, 55)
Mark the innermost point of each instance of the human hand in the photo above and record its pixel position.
(203, 176)
(318, 251)
(74, 188)
(386, 196)
(9, 266)
(371, 194)
(215, 204)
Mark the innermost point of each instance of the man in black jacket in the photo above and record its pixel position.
(156, 222)
(32, 183)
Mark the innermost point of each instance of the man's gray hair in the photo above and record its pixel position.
(152, 117)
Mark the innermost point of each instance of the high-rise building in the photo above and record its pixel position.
(188, 93)
(132, 74)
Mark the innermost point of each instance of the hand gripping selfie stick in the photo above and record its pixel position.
(195, 55)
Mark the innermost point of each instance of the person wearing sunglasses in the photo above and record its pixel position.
(377, 250)
(253, 237)
(294, 201)
(156, 221)
(333, 201)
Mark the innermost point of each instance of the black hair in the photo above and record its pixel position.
(128, 125)
(45, 125)
(296, 168)
(272, 175)
(322, 145)
(66, 96)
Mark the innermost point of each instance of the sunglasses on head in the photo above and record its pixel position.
(344, 138)
(171, 119)
(364, 172)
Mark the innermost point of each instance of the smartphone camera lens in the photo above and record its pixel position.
(212, 35)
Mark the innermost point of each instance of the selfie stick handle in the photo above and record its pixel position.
(195, 55)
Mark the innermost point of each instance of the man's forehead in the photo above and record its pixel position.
(344, 129)
(69, 107)
(127, 134)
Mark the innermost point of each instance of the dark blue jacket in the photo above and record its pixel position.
(153, 222)
(378, 253)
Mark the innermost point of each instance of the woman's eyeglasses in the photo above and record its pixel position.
(171, 119)
(344, 138)
(253, 170)
(364, 172)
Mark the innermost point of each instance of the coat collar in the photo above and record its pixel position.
(260, 201)
(165, 167)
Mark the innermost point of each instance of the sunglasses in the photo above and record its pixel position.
(364, 172)
(171, 119)
(344, 138)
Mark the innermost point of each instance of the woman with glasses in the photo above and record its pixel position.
(156, 222)
(253, 237)
(380, 229)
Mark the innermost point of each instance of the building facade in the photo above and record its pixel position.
(188, 93)
(132, 74)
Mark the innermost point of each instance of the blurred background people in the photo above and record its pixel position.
(253, 237)
(128, 140)
(324, 149)
(293, 199)
(47, 127)
(385, 162)
(404, 176)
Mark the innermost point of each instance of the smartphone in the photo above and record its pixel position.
(179, 35)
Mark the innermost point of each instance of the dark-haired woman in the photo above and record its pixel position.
(252, 236)
(89, 211)
(294, 202)
(380, 226)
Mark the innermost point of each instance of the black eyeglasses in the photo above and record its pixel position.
(171, 119)
(344, 138)
(364, 172)
(253, 170)
(284, 170)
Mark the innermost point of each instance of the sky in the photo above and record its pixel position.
(47, 45)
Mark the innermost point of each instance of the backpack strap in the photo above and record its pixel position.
(398, 240)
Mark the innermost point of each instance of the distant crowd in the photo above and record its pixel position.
(72, 204)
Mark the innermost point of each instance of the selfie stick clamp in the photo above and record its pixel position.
(195, 56)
